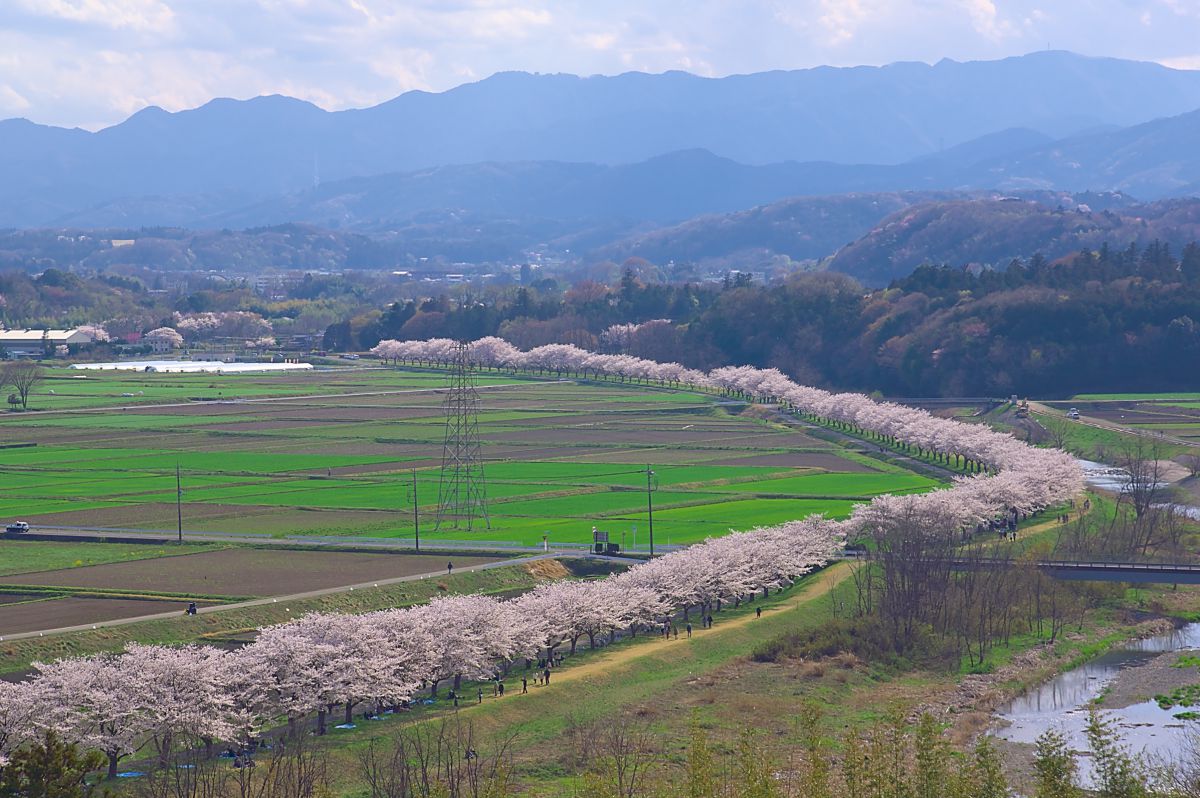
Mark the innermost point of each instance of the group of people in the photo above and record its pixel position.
(542, 677)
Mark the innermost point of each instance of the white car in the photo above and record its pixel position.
(1072, 413)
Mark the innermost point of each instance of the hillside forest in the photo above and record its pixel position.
(1110, 319)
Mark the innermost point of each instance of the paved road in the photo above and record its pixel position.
(153, 536)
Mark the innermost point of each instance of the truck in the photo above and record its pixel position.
(16, 528)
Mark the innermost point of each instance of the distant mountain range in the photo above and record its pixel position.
(611, 152)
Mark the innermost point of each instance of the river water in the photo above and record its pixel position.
(1062, 703)
(1110, 478)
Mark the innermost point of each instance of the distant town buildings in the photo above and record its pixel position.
(35, 343)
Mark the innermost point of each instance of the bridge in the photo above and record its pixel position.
(1163, 573)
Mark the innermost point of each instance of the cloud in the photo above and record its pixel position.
(987, 20)
(141, 15)
(11, 101)
(1182, 62)
(841, 19)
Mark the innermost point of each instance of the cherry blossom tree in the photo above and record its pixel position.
(167, 334)
(95, 702)
(18, 709)
(184, 696)
(96, 332)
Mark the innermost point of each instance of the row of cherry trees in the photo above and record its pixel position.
(167, 697)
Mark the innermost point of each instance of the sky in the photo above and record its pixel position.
(92, 63)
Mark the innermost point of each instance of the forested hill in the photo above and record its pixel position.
(861, 228)
(992, 232)
(1114, 319)
(1119, 319)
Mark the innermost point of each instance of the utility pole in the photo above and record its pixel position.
(650, 505)
(416, 518)
(179, 502)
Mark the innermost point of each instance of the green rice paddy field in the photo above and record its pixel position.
(334, 452)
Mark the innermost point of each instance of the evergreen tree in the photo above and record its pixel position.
(932, 776)
(1054, 768)
(985, 773)
(50, 769)
(1118, 774)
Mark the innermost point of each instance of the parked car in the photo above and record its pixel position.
(1072, 413)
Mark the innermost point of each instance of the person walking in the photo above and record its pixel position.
(674, 631)
(524, 685)
(546, 676)
(758, 612)
(480, 695)
(500, 685)
(689, 629)
(449, 568)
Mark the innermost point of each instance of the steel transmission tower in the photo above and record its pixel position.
(462, 489)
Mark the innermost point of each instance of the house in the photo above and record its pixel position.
(33, 343)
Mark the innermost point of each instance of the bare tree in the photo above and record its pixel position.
(1056, 430)
(1192, 461)
(440, 759)
(1142, 461)
(23, 376)
(625, 754)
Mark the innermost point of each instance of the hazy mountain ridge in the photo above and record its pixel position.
(231, 154)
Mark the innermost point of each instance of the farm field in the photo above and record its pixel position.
(333, 453)
(150, 580)
(60, 611)
(241, 572)
(1175, 415)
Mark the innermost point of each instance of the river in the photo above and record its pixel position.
(1112, 479)
(1062, 703)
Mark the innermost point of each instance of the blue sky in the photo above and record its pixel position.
(93, 62)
